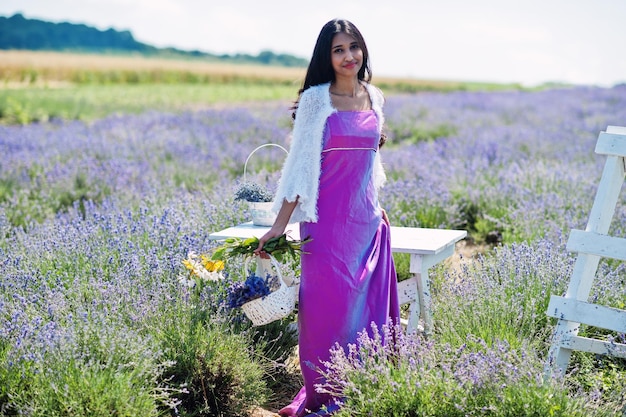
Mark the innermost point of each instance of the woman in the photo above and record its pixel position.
(329, 184)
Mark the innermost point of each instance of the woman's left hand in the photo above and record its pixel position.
(385, 218)
(273, 232)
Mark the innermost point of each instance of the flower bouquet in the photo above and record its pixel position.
(264, 300)
(260, 200)
(253, 193)
(200, 270)
(252, 288)
(279, 247)
(265, 295)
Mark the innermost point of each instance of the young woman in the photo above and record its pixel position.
(329, 183)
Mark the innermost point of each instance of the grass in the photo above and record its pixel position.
(40, 86)
(90, 102)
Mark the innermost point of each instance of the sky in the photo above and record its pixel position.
(528, 41)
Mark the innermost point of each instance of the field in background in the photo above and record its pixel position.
(39, 86)
(35, 68)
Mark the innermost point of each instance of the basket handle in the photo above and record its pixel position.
(245, 165)
(262, 267)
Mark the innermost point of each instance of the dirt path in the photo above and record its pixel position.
(260, 412)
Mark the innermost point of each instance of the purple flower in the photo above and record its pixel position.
(253, 287)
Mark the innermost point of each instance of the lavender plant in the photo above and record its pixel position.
(390, 373)
(512, 158)
(503, 295)
(95, 219)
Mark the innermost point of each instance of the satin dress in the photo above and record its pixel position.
(348, 276)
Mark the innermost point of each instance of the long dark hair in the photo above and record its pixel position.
(320, 68)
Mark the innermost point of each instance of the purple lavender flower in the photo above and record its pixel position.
(95, 218)
(252, 288)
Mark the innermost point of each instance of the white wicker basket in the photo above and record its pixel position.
(262, 214)
(276, 305)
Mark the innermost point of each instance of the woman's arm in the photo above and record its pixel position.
(301, 170)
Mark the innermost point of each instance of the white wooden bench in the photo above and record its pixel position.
(427, 247)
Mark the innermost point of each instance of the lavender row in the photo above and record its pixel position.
(96, 219)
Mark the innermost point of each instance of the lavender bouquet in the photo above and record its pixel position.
(252, 288)
(253, 193)
(260, 200)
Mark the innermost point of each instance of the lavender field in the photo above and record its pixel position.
(96, 218)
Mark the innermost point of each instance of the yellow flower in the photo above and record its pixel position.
(212, 266)
(202, 267)
(189, 265)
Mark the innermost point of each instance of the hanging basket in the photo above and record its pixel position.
(276, 305)
(262, 214)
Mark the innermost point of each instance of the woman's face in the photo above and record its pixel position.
(346, 55)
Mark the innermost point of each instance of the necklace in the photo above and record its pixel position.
(342, 95)
(351, 95)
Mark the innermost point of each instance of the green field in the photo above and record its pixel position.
(88, 102)
(39, 86)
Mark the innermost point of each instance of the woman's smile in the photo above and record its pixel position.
(346, 55)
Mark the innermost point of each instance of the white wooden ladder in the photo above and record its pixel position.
(573, 309)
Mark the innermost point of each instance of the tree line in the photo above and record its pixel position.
(18, 32)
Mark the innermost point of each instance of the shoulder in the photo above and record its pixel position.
(375, 93)
(315, 99)
(316, 92)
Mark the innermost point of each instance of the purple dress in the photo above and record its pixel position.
(348, 275)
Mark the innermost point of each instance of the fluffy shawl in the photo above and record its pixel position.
(301, 171)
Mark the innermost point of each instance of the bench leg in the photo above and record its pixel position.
(420, 269)
(407, 294)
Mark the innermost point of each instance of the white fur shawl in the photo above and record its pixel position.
(301, 170)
